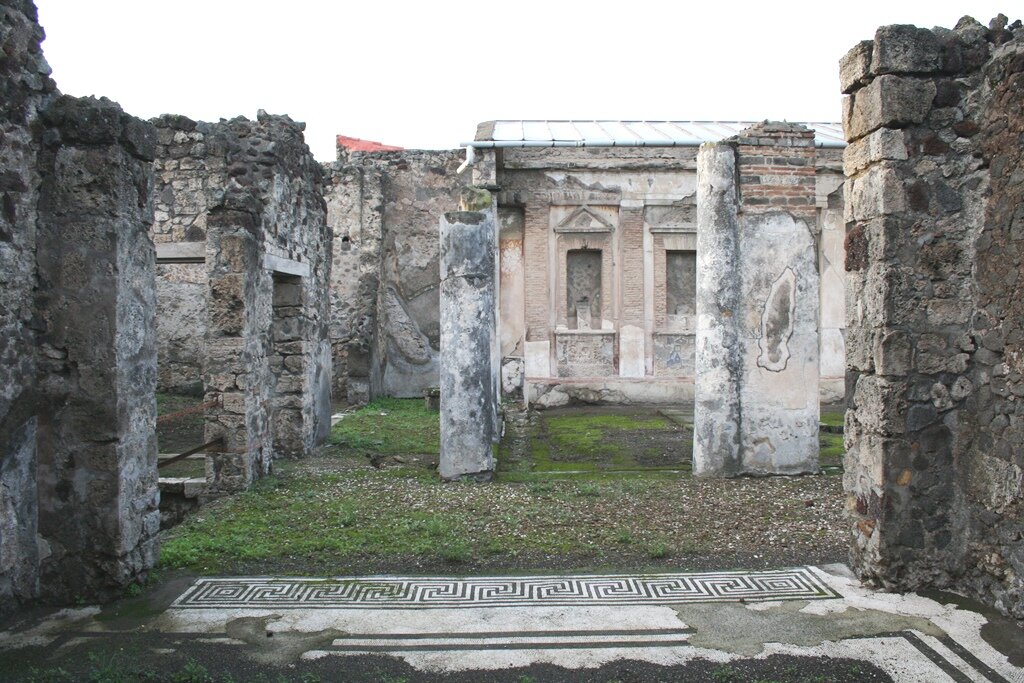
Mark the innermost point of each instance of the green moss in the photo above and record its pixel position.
(831, 451)
(832, 417)
(390, 426)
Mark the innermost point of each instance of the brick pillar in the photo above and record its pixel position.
(631, 337)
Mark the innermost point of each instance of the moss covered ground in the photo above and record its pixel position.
(596, 490)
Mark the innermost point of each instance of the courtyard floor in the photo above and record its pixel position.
(809, 624)
(594, 556)
(590, 489)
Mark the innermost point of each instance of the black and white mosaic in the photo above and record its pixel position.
(556, 591)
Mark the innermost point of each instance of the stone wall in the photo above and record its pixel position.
(253, 193)
(934, 233)
(25, 87)
(383, 209)
(190, 174)
(98, 502)
(756, 409)
(78, 494)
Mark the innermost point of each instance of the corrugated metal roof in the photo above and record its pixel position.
(641, 133)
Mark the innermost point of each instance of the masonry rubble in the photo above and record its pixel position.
(935, 314)
(78, 491)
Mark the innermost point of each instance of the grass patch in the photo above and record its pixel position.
(833, 417)
(390, 426)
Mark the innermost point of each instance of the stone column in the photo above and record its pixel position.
(235, 369)
(468, 402)
(716, 411)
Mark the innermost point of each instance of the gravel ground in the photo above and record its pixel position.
(403, 520)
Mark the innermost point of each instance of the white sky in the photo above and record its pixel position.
(423, 74)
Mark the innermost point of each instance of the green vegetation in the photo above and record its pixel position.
(390, 426)
(353, 510)
(594, 442)
(833, 417)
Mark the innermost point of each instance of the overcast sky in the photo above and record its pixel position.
(423, 74)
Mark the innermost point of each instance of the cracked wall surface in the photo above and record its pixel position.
(78, 490)
(756, 409)
(934, 233)
(251, 193)
(383, 209)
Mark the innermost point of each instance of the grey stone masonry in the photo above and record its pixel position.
(756, 389)
(259, 208)
(78, 495)
(25, 87)
(468, 398)
(383, 209)
(935, 324)
(99, 502)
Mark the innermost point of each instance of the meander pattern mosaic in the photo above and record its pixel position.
(404, 593)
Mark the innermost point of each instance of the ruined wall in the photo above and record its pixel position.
(383, 209)
(25, 86)
(78, 493)
(98, 497)
(268, 365)
(190, 174)
(756, 409)
(934, 230)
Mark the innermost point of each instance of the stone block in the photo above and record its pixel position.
(892, 353)
(905, 49)
(631, 351)
(888, 101)
(878, 192)
(855, 67)
(885, 144)
(538, 358)
(881, 404)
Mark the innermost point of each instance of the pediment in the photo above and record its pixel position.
(583, 219)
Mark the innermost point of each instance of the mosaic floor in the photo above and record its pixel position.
(445, 625)
(536, 591)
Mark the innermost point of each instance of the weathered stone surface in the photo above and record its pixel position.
(756, 409)
(933, 463)
(855, 67)
(383, 209)
(468, 398)
(99, 265)
(717, 430)
(25, 87)
(887, 101)
(904, 49)
(252, 320)
(76, 335)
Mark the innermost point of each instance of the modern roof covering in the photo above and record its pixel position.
(361, 145)
(630, 133)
